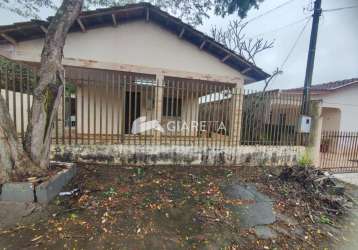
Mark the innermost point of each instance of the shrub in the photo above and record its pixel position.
(305, 160)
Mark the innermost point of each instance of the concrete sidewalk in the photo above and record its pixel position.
(351, 178)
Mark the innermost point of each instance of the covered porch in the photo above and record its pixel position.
(116, 107)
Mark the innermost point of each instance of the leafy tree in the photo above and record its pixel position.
(27, 8)
(32, 158)
(191, 11)
(241, 7)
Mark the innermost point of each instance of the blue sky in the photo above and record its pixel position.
(337, 47)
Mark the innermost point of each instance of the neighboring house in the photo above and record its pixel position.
(266, 117)
(132, 61)
(275, 117)
(339, 104)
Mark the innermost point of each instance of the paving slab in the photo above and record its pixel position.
(12, 212)
(245, 192)
(257, 208)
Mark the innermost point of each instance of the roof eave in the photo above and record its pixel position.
(251, 72)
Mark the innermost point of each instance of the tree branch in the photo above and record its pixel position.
(235, 39)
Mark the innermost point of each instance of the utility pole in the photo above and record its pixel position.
(310, 60)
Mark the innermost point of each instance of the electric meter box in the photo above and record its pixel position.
(305, 123)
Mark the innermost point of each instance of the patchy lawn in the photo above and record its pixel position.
(181, 207)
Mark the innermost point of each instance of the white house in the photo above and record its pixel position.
(339, 104)
(124, 63)
(138, 63)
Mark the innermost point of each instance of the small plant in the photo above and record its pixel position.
(323, 219)
(285, 190)
(140, 172)
(73, 216)
(305, 160)
(110, 192)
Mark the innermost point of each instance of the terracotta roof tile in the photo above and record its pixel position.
(329, 86)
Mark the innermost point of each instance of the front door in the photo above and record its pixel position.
(132, 110)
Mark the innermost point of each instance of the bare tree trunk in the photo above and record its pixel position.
(14, 162)
(32, 158)
(48, 93)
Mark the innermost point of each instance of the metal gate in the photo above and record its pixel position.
(339, 151)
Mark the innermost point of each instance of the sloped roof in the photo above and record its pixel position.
(116, 15)
(327, 87)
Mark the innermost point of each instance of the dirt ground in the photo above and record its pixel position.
(179, 208)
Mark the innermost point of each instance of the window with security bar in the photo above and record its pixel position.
(172, 107)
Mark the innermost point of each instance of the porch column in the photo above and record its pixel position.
(159, 100)
(236, 102)
(60, 121)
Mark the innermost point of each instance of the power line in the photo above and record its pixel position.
(293, 48)
(268, 12)
(295, 22)
(282, 27)
(294, 45)
(342, 8)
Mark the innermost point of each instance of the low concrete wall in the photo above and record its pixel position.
(178, 155)
(38, 192)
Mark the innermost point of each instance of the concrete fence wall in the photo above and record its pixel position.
(179, 155)
(255, 155)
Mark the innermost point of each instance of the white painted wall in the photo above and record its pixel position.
(346, 100)
(331, 119)
(14, 100)
(94, 101)
(137, 43)
(98, 97)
